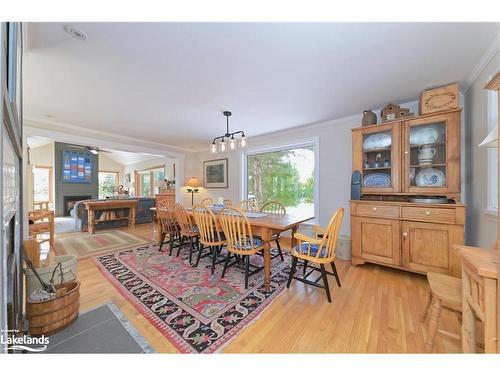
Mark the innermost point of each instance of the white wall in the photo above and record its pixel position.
(335, 163)
(153, 162)
(109, 165)
(481, 228)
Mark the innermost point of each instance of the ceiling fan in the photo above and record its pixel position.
(94, 150)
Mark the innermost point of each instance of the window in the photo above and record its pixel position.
(108, 182)
(149, 181)
(285, 174)
(492, 194)
(42, 184)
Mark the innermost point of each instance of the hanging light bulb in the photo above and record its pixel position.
(222, 145)
(232, 143)
(213, 148)
(243, 141)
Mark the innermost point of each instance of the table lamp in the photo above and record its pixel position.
(192, 185)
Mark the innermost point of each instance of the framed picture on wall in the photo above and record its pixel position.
(215, 174)
(127, 177)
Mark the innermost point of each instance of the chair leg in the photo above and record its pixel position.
(279, 249)
(162, 240)
(225, 265)
(292, 271)
(305, 267)
(200, 250)
(325, 280)
(335, 273)
(180, 245)
(191, 249)
(433, 325)
(247, 270)
(171, 243)
(213, 249)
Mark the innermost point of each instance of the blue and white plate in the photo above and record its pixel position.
(377, 180)
(430, 177)
(377, 140)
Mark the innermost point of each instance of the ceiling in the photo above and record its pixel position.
(170, 82)
(120, 157)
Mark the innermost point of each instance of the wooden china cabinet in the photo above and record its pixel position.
(401, 161)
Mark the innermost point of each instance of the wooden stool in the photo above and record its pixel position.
(446, 292)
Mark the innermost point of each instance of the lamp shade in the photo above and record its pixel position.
(193, 182)
(491, 139)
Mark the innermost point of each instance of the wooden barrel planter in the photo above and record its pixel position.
(49, 317)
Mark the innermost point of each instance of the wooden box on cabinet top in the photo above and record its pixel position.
(409, 236)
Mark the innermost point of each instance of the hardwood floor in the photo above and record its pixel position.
(377, 310)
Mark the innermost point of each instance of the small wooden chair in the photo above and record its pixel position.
(249, 205)
(210, 233)
(320, 251)
(239, 240)
(207, 201)
(275, 207)
(227, 203)
(41, 221)
(187, 229)
(169, 226)
(446, 292)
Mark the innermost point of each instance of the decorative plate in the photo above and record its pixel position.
(430, 177)
(377, 140)
(424, 136)
(377, 180)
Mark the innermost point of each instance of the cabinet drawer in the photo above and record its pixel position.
(377, 210)
(441, 215)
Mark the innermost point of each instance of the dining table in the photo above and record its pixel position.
(266, 226)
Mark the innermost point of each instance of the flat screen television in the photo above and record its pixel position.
(77, 167)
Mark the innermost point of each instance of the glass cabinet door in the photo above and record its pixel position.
(378, 158)
(432, 154)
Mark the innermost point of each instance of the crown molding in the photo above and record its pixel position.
(97, 137)
(485, 59)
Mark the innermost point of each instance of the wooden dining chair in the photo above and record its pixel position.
(40, 222)
(318, 251)
(248, 205)
(188, 231)
(227, 203)
(207, 201)
(240, 241)
(446, 293)
(169, 226)
(275, 207)
(210, 233)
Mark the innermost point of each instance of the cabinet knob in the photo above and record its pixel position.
(374, 208)
(427, 213)
(405, 234)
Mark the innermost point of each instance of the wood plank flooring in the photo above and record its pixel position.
(377, 310)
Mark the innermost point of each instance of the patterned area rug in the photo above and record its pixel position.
(196, 311)
(84, 245)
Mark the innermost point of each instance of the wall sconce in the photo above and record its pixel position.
(193, 185)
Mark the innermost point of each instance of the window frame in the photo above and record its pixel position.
(491, 157)
(50, 189)
(151, 171)
(117, 177)
(314, 142)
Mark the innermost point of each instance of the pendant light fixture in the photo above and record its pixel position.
(227, 141)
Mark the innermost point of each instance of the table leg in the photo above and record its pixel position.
(293, 241)
(266, 236)
(133, 216)
(91, 221)
(468, 319)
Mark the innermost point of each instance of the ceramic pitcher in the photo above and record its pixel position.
(426, 155)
